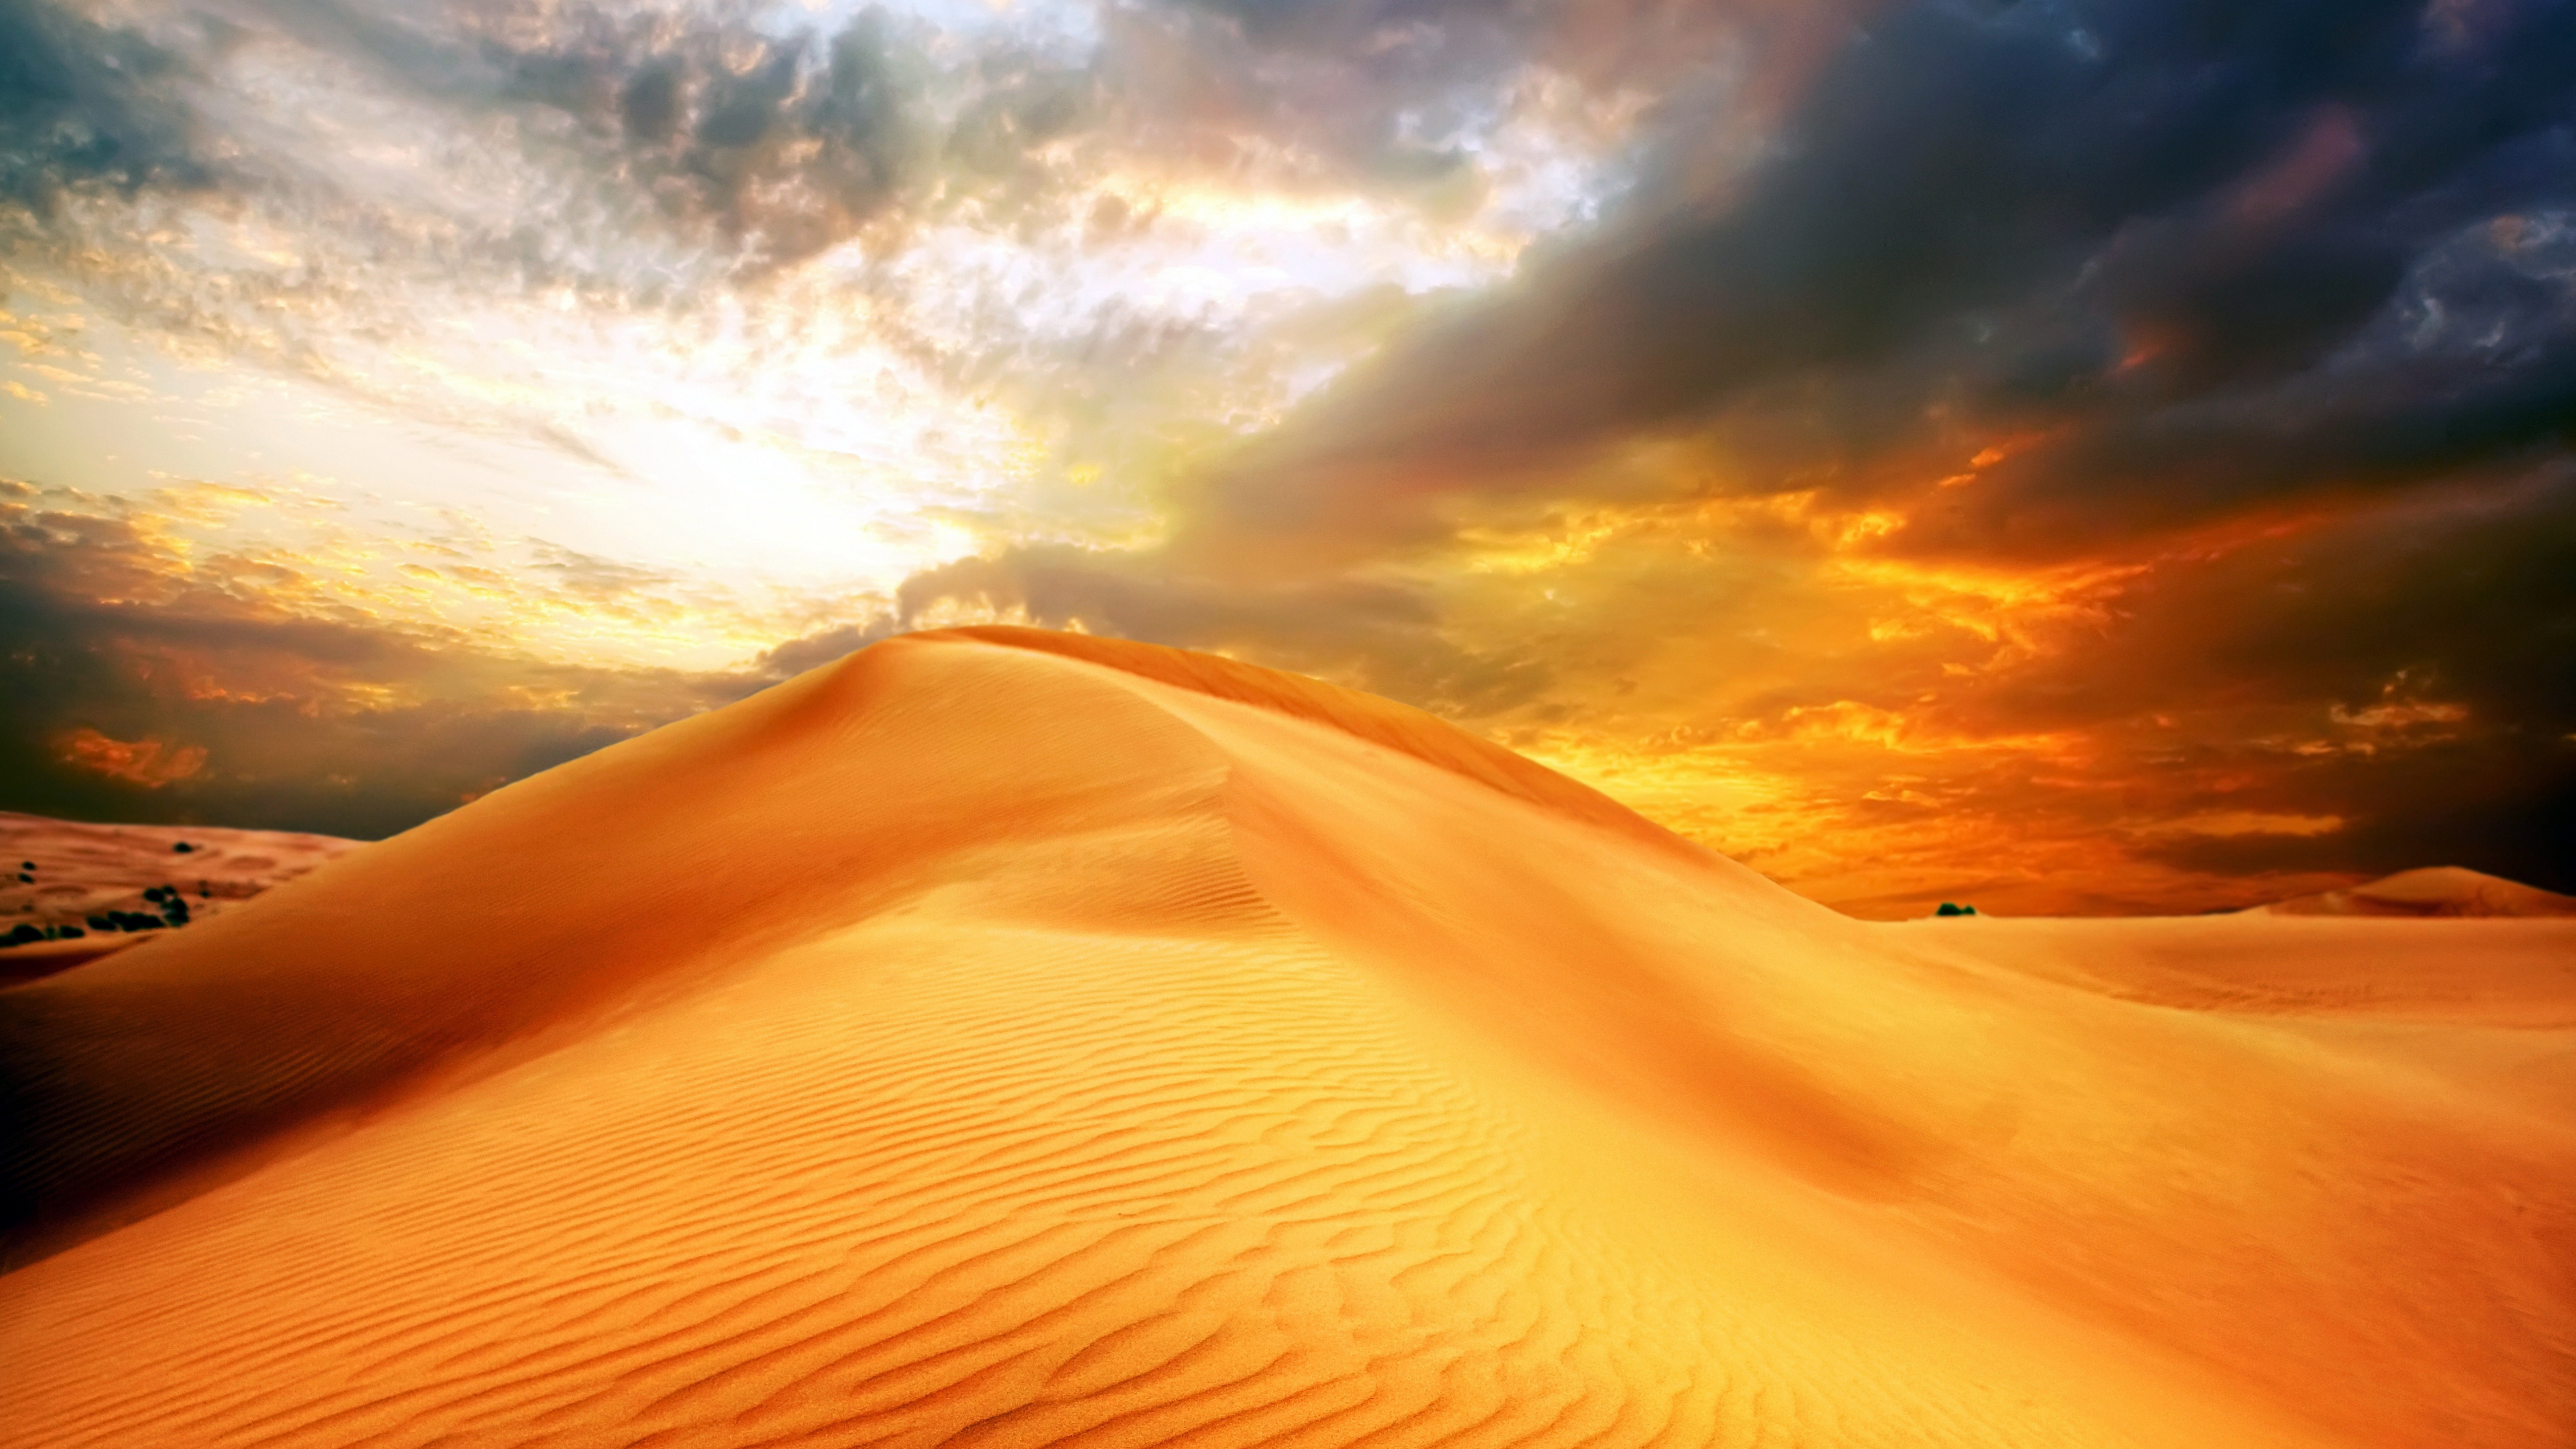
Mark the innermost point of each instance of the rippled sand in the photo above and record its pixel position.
(1005, 1039)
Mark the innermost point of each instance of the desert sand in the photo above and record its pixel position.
(1008, 1039)
(61, 875)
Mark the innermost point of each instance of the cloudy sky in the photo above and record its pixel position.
(2069, 455)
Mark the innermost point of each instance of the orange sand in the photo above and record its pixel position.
(82, 870)
(1004, 1040)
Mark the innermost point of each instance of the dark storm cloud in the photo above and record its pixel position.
(276, 719)
(2399, 622)
(82, 105)
(2142, 218)
(2506, 807)
(2298, 276)
(2469, 367)
(2468, 597)
(2402, 667)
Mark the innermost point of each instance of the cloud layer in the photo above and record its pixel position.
(2072, 454)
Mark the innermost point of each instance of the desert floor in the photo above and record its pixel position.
(60, 875)
(1007, 1039)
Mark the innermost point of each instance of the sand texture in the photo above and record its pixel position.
(61, 874)
(1005, 1040)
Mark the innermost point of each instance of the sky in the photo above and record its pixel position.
(2070, 456)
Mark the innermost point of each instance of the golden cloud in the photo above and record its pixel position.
(150, 763)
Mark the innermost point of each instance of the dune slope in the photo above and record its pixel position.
(2436, 891)
(1002, 1039)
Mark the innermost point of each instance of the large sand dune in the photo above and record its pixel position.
(1000, 1039)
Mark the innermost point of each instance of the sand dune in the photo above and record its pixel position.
(1003, 1039)
(68, 876)
(2445, 890)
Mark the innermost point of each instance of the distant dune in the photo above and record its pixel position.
(60, 876)
(2440, 891)
(1002, 1039)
